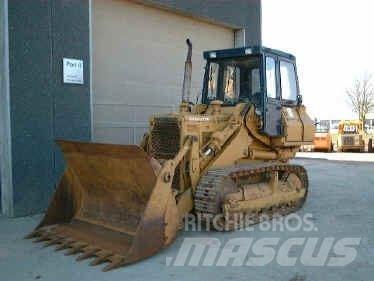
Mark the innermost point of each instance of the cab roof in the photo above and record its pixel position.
(245, 51)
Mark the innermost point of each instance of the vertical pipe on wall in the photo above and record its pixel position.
(5, 128)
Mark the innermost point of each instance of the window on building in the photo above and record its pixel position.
(334, 124)
(369, 125)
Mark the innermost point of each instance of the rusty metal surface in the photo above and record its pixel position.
(109, 205)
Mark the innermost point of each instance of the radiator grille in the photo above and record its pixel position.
(165, 143)
(348, 140)
(165, 138)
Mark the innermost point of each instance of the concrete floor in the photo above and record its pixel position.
(338, 156)
(341, 200)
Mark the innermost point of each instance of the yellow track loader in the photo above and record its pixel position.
(225, 157)
(351, 136)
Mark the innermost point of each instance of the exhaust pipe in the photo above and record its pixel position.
(186, 90)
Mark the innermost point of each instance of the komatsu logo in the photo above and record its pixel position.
(198, 118)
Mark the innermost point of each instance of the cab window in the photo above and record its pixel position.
(230, 82)
(212, 90)
(288, 81)
(255, 81)
(271, 86)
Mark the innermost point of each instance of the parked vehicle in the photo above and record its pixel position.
(226, 156)
(322, 138)
(350, 136)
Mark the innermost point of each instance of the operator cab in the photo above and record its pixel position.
(261, 76)
(350, 128)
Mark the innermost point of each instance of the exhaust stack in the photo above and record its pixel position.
(186, 90)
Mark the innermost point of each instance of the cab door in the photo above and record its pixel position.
(272, 101)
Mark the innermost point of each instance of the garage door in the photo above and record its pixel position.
(138, 63)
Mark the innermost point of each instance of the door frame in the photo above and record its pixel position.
(275, 103)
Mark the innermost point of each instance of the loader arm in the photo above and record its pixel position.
(219, 139)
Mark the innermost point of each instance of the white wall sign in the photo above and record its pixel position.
(73, 71)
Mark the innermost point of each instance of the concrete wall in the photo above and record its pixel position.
(72, 111)
(235, 13)
(42, 108)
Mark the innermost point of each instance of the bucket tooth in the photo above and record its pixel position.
(35, 233)
(66, 244)
(55, 240)
(41, 231)
(43, 237)
(102, 256)
(115, 261)
(40, 239)
(75, 248)
(87, 253)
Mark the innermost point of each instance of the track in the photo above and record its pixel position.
(208, 193)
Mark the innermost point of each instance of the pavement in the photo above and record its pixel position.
(341, 200)
(338, 156)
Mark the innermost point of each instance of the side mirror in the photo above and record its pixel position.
(299, 99)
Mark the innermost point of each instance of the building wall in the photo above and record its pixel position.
(42, 108)
(235, 13)
(72, 103)
(127, 89)
(125, 94)
(38, 108)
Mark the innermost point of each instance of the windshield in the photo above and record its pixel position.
(322, 129)
(323, 126)
(232, 80)
(335, 124)
(350, 129)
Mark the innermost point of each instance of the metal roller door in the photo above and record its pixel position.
(138, 55)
